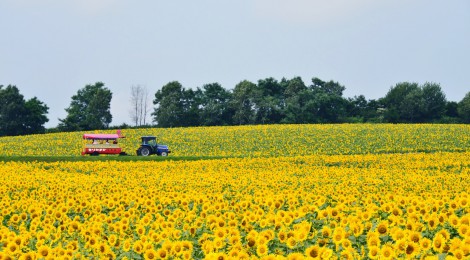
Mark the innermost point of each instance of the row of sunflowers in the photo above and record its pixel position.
(374, 206)
(262, 140)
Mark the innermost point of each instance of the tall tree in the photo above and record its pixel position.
(327, 104)
(295, 94)
(410, 103)
(434, 102)
(330, 87)
(139, 105)
(19, 117)
(89, 109)
(12, 111)
(464, 108)
(243, 103)
(169, 108)
(397, 103)
(412, 106)
(269, 101)
(359, 107)
(35, 116)
(452, 109)
(214, 102)
(191, 107)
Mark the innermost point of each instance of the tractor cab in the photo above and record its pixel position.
(149, 146)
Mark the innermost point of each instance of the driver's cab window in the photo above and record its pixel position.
(152, 142)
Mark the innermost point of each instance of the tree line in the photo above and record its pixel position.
(291, 101)
(269, 101)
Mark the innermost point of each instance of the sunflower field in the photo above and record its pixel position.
(262, 140)
(281, 192)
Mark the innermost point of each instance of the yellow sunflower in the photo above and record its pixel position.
(387, 252)
(382, 228)
(438, 243)
(313, 251)
(150, 254)
(262, 250)
(374, 252)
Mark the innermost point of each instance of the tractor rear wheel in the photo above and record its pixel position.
(145, 151)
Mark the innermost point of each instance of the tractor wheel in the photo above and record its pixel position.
(164, 154)
(145, 151)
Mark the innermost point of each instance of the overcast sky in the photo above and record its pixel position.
(52, 48)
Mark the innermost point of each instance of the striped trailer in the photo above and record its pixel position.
(96, 144)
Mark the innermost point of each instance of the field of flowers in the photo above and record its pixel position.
(358, 206)
(263, 140)
(295, 192)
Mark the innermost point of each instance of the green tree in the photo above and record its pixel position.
(169, 108)
(89, 109)
(243, 103)
(452, 109)
(269, 101)
(464, 108)
(214, 102)
(395, 104)
(295, 94)
(412, 106)
(361, 109)
(410, 103)
(327, 104)
(191, 107)
(35, 116)
(330, 87)
(19, 117)
(434, 102)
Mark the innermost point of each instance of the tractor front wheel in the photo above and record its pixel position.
(164, 154)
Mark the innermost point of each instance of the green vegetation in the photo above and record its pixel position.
(20, 117)
(89, 109)
(128, 158)
(268, 101)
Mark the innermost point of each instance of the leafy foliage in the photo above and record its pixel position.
(20, 117)
(89, 109)
(175, 106)
(464, 108)
(410, 103)
(290, 101)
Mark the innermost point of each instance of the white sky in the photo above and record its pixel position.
(52, 48)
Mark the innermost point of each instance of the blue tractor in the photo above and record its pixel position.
(149, 146)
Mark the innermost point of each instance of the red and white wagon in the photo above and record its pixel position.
(96, 144)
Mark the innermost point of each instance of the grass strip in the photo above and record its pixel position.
(126, 158)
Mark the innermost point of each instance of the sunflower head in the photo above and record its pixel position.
(425, 244)
(411, 249)
(438, 243)
(150, 254)
(44, 251)
(262, 250)
(387, 252)
(162, 253)
(382, 228)
(313, 251)
(374, 252)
